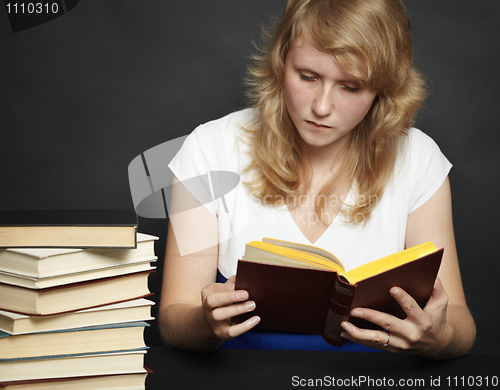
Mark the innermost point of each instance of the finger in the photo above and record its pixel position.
(406, 301)
(384, 320)
(415, 315)
(218, 299)
(369, 337)
(225, 331)
(227, 312)
(395, 326)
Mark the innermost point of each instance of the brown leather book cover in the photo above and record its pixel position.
(287, 298)
(317, 301)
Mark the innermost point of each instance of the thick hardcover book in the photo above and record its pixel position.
(313, 299)
(92, 339)
(68, 228)
(131, 310)
(72, 297)
(48, 267)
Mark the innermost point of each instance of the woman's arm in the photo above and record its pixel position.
(195, 312)
(444, 328)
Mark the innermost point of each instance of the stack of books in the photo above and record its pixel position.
(72, 299)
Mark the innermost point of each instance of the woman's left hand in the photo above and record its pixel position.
(424, 331)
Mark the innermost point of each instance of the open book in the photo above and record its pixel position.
(305, 289)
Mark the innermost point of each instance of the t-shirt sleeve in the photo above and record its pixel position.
(428, 168)
(194, 160)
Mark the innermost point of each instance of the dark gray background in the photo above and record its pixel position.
(84, 94)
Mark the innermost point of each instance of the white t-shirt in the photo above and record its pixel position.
(216, 146)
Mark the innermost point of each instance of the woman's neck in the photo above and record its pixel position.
(322, 163)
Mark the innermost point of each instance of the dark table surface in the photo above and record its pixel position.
(261, 369)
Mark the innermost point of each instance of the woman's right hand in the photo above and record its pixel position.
(221, 302)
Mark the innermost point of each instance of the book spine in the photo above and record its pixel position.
(339, 309)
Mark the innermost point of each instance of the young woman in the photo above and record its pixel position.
(327, 156)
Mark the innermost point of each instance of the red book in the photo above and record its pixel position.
(309, 298)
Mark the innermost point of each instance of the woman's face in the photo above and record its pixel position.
(324, 102)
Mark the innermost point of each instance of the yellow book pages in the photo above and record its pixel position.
(389, 262)
(305, 248)
(281, 255)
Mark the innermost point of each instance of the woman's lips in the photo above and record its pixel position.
(317, 126)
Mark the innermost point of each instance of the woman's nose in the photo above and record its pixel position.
(323, 102)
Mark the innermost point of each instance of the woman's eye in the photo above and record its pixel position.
(307, 78)
(351, 89)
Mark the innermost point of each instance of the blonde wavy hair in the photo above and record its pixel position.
(371, 40)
